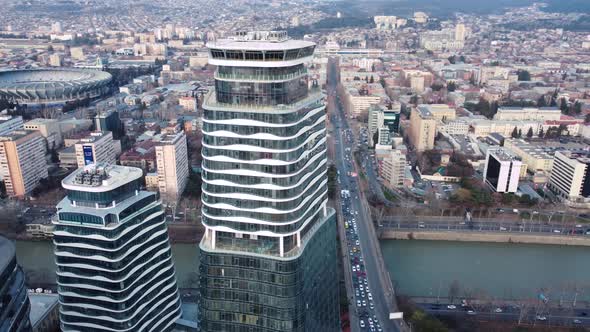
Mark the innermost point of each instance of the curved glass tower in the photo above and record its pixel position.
(114, 265)
(268, 256)
(15, 306)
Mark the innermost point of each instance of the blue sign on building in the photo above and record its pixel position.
(88, 154)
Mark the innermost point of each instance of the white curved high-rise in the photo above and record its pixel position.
(114, 264)
(269, 247)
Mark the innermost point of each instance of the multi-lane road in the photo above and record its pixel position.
(361, 245)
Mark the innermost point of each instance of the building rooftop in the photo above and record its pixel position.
(503, 155)
(41, 305)
(16, 135)
(100, 177)
(94, 136)
(259, 40)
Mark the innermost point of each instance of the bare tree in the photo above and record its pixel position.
(454, 290)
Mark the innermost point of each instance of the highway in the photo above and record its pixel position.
(371, 300)
(531, 314)
(485, 225)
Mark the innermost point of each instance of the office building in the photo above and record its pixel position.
(502, 171)
(172, 166)
(422, 129)
(10, 123)
(48, 128)
(99, 147)
(109, 121)
(188, 103)
(114, 263)
(570, 176)
(537, 157)
(268, 257)
(22, 162)
(15, 306)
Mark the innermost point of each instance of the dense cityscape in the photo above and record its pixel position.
(294, 166)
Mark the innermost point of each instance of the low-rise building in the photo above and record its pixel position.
(570, 177)
(98, 147)
(49, 128)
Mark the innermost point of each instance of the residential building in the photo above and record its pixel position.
(22, 161)
(172, 166)
(359, 101)
(269, 234)
(48, 128)
(502, 170)
(440, 112)
(188, 103)
(44, 312)
(114, 264)
(10, 123)
(393, 169)
(15, 308)
(422, 128)
(99, 147)
(570, 176)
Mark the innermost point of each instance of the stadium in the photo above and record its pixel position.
(36, 87)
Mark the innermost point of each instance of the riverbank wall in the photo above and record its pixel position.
(494, 237)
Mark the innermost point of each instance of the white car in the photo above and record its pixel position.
(556, 231)
(370, 296)
(498, 310)
(364, 303)
(358, 303)
(452, 307)
(502, 229)
(542, 318)
(362, 323)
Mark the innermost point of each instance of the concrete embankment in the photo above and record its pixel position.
(486, 237)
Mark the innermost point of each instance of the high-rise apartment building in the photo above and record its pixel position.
(10, 123)
(22, 161)
(570, 176)
(268, 256)
(393, 169)
(114, 264)
(99, 147)
(15, 306)
(502, 171)
(422, 129)
(172, 166)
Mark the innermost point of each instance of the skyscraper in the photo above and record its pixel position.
(268, 257)
(15, 306)
(114, 265)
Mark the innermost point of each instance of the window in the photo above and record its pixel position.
(234, 55)
(274, 55)
(254, 55)
(217, 54)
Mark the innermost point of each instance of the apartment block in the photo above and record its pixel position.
(422, 129)
(502, 171)
(48, 128)
(172, 166)
(22, 161)
(570, 177)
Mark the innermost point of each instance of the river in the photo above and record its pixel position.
(419, 268)
(497, 270)
(37, 259)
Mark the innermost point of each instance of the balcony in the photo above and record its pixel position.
(313, 100)
(260, 78)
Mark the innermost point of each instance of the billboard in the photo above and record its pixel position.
(88, 154)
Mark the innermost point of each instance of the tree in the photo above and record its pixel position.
(376, 138)
(462, 59)
(529, 133)
(542, 102)
(564, 107)
(519, 133)
(541, 133)
(454, 290)
(577, 107)
(452, 59)
(587, 118)
(372, 80)
(514, 133)
(524, 75)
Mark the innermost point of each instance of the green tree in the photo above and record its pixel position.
(452, 59)
(541, 133)
(519, 133)
(577, 107)
(372, 80)
(529, 133)
(514, 133)
(524, 75)
(587, 118)
(564, 107)
(542, 102)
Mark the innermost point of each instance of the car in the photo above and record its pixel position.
(471, 312)
(498, 310)
(515, 210)
(541, 318)
(358, 303)
(371, 306)
(452, 307)
(370, 296)
(556, 231)
(502, 229)
(364, 303)
(362, 323)
(578, 226)
(421, 226)
(370, 321)
(577, 321)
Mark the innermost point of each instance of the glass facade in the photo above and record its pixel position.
(116, 274)
(15, 306)
(269, 247)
